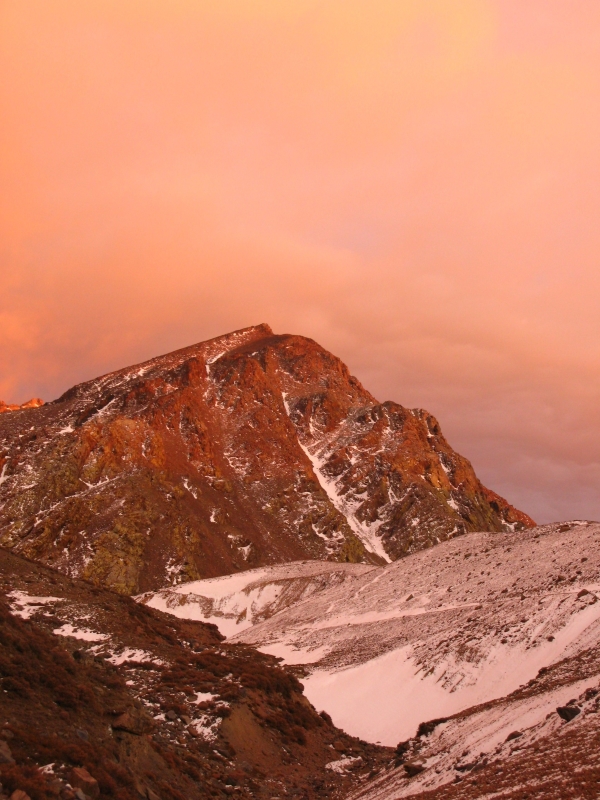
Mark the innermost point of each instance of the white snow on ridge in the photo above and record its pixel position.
(79, 633)
(366, 533)
(131, 654)
(465, 622)
(411, 695)
(24, 605)
(480, 734)
(385, 648)
(236, 602)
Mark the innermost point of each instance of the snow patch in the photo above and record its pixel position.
(237, 602)
(207, 728)
(453, 504)
(3, 475)
(204, 697)
(79, 633)
(367, 533)
(191, 489)
(392, 694)
(25, 605)
(342, 765)
(130, 654)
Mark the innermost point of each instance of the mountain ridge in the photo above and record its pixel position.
(248, 449)
(35, 402)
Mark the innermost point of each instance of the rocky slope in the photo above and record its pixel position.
(119, 701)
(480, 656)
(247, 450)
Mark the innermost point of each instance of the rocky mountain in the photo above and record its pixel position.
(105, 698)
(35, 402)
(479, 658)
(247, 450)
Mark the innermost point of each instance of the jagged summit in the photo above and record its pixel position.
(207, 351)
(35, 402)
(246, 450)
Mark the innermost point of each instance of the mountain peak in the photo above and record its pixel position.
(248, 449)
(35, 402)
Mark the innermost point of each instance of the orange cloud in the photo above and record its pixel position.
(415, 185)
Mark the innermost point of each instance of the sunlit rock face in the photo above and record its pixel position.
(247, 450)
(35, 402)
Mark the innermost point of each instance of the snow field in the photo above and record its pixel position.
(440, 631)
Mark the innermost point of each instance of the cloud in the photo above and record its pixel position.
(416, 186)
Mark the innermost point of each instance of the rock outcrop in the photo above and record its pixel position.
(35, 402)
(246, 450)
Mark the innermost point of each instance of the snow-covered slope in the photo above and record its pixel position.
(151, 706)
(385, 648)
(236, 602)
(539, 742)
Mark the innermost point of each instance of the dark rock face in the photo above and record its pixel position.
(568, 712)
(5, 754)
(246, 450)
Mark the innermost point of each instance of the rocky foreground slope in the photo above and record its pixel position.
(102, 695)
(494, 637)
(246, 450)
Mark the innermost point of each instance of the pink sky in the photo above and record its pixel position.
(414, 184)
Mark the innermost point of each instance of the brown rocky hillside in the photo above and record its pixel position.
(246, 450)
(102, 695)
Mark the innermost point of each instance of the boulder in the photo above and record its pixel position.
(568, 712)
(133, 721)
(5, 754)
(55, 786)
(80, 778)
(413, 768)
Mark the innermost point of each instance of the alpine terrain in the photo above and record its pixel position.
(102, 697)
(231, 572)
(247, 450)
(479, 658)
